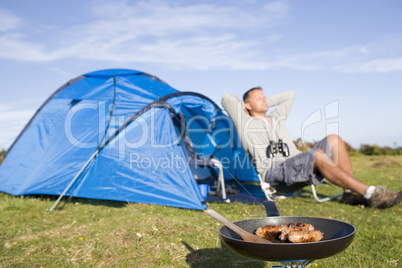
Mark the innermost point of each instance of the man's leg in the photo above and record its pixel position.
(381, 198)
(340, 155)
(337, 175)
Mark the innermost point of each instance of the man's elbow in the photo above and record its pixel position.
(292, 93)
(226, 98)
(225, 95)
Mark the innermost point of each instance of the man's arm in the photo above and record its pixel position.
(284, 103)
(235, 107)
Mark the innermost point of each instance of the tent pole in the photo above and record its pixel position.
(73, 180)
(96, 152)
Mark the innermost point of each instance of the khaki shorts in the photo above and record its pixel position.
(297, 169)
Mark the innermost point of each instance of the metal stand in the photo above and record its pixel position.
(293, 264)
(325, 199)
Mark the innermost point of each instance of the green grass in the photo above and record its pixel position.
(95, 233)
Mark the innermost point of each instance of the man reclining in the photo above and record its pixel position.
(277, 160)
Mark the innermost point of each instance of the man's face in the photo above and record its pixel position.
(257, 102)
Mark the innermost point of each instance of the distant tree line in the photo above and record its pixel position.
(377, 150)
(365, 149)
(2, 152)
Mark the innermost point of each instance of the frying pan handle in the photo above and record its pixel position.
(225, 221)
(249, 237)
(271, 209)
(222, 219)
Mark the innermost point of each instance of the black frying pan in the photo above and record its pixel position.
(337, 237)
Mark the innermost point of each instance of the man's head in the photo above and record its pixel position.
(246, 95)
(255, 102)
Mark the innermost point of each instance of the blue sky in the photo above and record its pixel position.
(343, 59)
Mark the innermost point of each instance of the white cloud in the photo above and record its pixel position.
(380, 56)
(196, 36)
(373, 66)
(367, 58)
(12, 121)
(8, 21)
(15, 116)
(62, 72)
(158, 18)
(278, 8)
(14, 48)
(364, 50)
(18, 111)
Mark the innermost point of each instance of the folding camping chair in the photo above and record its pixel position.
(272, 194)
(292, 190)
(325, 199)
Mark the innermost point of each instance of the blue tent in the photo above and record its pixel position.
(123, 135)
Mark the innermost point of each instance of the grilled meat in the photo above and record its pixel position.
(269, 231)
(299, 224)
(284, 234)
(295, 232)
(305, 236)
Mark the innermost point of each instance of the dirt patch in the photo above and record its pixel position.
(386, 163)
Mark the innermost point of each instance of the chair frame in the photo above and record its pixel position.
(325, 199)
(269, 193)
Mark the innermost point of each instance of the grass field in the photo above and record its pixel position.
(93, 233)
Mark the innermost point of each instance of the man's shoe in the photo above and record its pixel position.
(383, 198)
(352, 198)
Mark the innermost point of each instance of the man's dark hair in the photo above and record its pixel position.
(246, 95)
